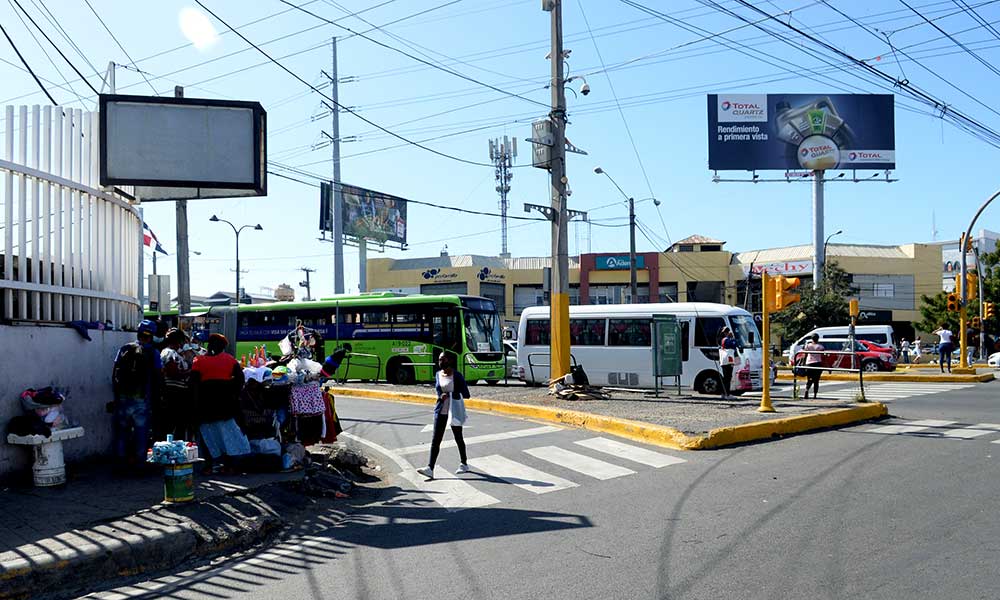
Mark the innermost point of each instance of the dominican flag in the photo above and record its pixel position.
(149, 239)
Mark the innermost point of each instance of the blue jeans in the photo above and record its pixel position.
(131, 429)
(944, 354)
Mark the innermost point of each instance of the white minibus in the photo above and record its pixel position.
(613, 344)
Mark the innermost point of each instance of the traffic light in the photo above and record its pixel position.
(971, 281)
(953, 304)
(977, 323)
(966, 243)
(988, 312)
(783, 298)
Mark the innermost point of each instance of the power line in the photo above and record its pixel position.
(49, 40)
(337, 105)
(969, 10)
(993, 69)
(26, 66)
(40, 4)
(45, 53)
(417, 58)
(103, 24)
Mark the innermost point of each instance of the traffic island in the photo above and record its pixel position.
(679, 423)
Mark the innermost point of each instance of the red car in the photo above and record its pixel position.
(870, 356)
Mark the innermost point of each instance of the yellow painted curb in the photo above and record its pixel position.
(647, 433)
(901, 377)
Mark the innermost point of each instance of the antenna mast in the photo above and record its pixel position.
(502, 153)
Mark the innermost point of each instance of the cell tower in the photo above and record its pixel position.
(502, 153)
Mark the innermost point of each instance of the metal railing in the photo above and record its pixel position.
(347, 364)
(70, 251)
(531, 365)
(818, 366)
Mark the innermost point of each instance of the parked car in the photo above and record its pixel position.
(870, 357)
(510, 357)
(880, 334)
(994, 360)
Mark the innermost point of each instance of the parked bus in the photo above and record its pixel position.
(392, 337)
(613, 344)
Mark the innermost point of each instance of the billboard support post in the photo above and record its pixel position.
(819, 256)
(362, 265)
(183, 266)
(337, 204)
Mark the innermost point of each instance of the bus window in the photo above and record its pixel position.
(376, 317)
(706, 331)
(444, 330)
(586, 332)
(628, 332)
(537, 332)
(685, 340)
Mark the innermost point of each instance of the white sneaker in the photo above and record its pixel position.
(426, 472)
(462, 468)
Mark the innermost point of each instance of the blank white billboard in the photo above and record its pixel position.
(172, 148)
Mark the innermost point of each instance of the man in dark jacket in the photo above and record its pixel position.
(135, 382)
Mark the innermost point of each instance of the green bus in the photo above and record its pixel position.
(392, 337)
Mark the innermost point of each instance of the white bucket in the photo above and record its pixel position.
(49, 468)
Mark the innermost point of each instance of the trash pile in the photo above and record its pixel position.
(43, 413)
(575, 385)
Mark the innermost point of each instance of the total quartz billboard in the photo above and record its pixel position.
(750, 132)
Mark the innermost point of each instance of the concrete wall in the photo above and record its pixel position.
(35, 357)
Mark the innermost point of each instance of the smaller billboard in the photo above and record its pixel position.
(373, 215)
(618, 262)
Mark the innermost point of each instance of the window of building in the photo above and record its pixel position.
(706, 331)
(536, 332)
(668, 292)
(497, 292)
(711, 248)
(527, 295)
(883, 290)
(629, 332)
(586, 332)
(686, 248)
(705, 291)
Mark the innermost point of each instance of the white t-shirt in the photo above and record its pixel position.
(447, 384)
(945, 335)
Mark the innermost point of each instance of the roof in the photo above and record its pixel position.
(697, 239)
(475, 260)
(804, 252)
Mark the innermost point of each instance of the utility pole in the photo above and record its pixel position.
(559, 359)
(819, 253)
(305, 283)
(503, 153)
(337, 205)
(183, 270)
(633, 284)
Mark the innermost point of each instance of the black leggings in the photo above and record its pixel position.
(727, 379)
(439, 424)
(812, 379)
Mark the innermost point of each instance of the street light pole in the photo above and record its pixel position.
(256, 227)
(838, 232)
(633, 283)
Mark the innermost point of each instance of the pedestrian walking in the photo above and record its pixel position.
(135, 383)
(916, 350)
(728, 350)
(945, 346)
(451, 393)
(904, 351)
(217, 381)
(814, 362)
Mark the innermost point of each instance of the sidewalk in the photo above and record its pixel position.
(685, 422)
(60, 541)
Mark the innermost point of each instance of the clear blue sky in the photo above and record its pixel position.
(504, 43)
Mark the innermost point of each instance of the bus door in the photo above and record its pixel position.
(685, 325)
(446, 332)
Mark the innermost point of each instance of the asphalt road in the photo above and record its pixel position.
(903, 508)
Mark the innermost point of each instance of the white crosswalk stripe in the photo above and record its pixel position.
(938, 428)
(930, 423)
(884, 391)
(966, 433)
(580, 463)
(523, 476)
(896, 429)
(629, 452)
(480, 439)
(449, 491)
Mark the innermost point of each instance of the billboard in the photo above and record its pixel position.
(373, 215)
(179, 148)
(748, 132)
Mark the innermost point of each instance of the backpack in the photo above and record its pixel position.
(131, 372)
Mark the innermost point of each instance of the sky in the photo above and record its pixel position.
(644, 121)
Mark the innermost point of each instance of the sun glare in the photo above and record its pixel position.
(197, 28)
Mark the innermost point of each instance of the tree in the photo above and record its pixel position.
(933, 309)
(822, 307)
(934, 312)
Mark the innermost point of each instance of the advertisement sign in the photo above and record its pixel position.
(784, 267)
(373, 215)
(749, 132)
(618, 262)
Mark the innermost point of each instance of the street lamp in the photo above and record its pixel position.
(838, 232)
(633, 285)
(257, 227)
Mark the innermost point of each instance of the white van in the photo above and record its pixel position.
(878, 334)
(613, 344)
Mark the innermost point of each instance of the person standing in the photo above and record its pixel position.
(904, 351)
(945, 346)
(217, 381)
(451, 391)
(728, 350)
(915, 348)
(814, 363)
(174, 410)
(135, 383)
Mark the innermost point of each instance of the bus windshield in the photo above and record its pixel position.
(482, 331)
(745, 331)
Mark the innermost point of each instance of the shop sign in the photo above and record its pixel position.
(784, 267)
(438, 275)
(487, 275)
(619, 262)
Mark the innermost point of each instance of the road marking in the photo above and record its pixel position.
(430, 427)
(591, 467)
(523, 476)
(481, 439)
(966, 433)
(930, 423)
(897, 429)
(995, 442)
(629, 452)
(987, 426)
(451, 493)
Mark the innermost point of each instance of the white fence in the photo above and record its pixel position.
(70, 251)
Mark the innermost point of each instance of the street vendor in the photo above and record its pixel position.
(217, 381)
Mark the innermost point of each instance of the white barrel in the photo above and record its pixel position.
(49, 468)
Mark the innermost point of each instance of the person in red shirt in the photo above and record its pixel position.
(217, 381)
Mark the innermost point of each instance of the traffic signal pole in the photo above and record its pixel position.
(965, 270)
(765, 340)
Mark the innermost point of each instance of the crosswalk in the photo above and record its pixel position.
(537, 470)
(877, 392)
(938, 428)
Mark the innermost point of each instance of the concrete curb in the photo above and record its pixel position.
(901, 377)
(658, 435)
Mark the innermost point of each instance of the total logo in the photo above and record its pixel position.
(736, 108)
(870, 156)
(743, 109)
(818, 152)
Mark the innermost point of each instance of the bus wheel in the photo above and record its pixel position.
(709, 383)
(400, 372)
